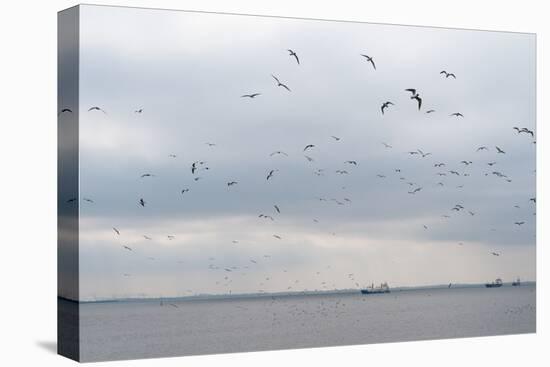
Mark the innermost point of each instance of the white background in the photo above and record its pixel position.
(28, 182)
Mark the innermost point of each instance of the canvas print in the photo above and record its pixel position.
(234, 183)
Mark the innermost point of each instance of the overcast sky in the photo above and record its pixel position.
(187, 72)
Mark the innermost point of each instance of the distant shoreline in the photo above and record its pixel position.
(202, 297)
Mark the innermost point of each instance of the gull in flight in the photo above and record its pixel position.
(481, 148)
(457, 114)
(369, 59)
(271, 174)
(139, 111)
(415, 96)
(95, 108)
(65, 110)
(277, 209)
(500, 150)
(308, 147)
(385, 105)
(184, 191)
(116, 231)
(265, 216)
(292, 53)
(387, 145)
(142, 202)
(278, 152)
(231, 183)
(252, 95)
(279, 84)
(127, 248)
(424, 155)
(415, 190)
(447, 74)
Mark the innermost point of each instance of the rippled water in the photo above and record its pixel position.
(144, 329)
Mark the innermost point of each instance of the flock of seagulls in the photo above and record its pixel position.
(414, 189)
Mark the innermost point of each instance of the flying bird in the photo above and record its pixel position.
(184, 191)
(95, 108)
(88, 200)
(127, 248)
(415, 190)
(271, 174)
(481, 148)
(65, 110)
(424, 155)
(253, 95)
(279, 84)
(335, 138)
(277, 209)
(278, 152)
(457, 114)
(142, 202)
(519, 223)
(308, 147)
(139, 111)
(116, 231)
(277, 237)
(415, 96)
(351, 162)
(147, 175)
(231, 183)
(385, 105)
(369, 59)
(447, 74)
(387, 145)
(500, 150)
(292, 53)
(430, 111)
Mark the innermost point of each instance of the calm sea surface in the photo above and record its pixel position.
(142, 329)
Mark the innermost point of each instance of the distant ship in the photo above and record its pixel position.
(497, 283)
(383, 288)
(516, 283)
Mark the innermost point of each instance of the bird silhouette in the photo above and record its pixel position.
(369, 59)
(447, 74)
(95, 108)
(279, 84)
(292, 53)
(385, 105)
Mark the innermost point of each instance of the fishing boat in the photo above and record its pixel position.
(383, 288)
(497, 283)
(516, 283)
